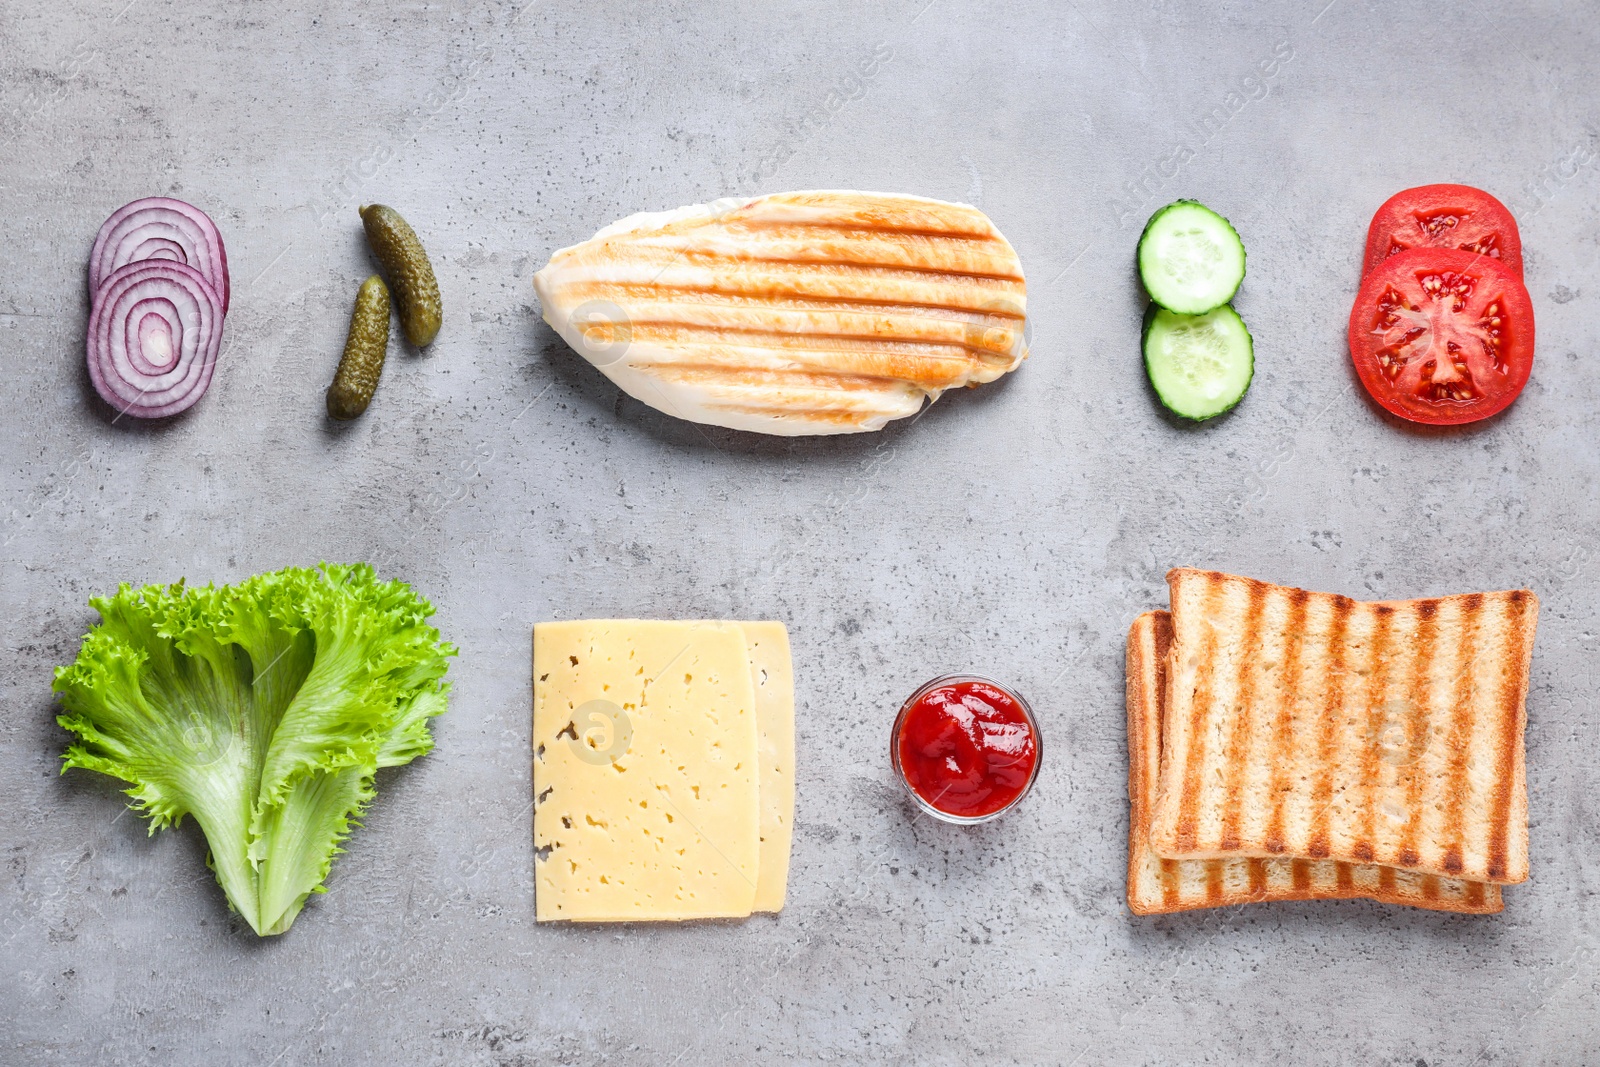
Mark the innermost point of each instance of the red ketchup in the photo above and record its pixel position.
(967, 748)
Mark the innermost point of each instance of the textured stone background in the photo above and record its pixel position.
(1015, 530)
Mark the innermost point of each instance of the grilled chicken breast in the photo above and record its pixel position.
(794, 313)
(1157, 886)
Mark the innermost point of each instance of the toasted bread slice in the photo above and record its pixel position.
(1312, 725)
(1157, 886)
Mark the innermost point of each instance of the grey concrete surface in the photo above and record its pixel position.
(1014, 530)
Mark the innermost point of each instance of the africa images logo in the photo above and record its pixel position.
(600, 732)
(1198, 133)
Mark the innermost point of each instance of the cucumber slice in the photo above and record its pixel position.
(1190, 258)
(1200, 365)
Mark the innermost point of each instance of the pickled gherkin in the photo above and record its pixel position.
(364, 351)
(406, 265)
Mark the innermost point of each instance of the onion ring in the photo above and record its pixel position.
(154, 334)
(160, 228)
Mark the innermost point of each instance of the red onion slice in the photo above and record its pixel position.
(159, 227)
(154, 335)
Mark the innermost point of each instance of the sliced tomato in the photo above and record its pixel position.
(1444, 216)
(1442, 336)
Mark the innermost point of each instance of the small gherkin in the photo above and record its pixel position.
(410, 275)
(364, 350)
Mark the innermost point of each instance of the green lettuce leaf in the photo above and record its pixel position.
(261, 709)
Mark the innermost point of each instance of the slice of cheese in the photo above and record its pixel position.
(772, 674)
(646, 771)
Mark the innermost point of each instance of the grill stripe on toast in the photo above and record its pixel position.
(1157, 886)
(1511, 797)
(1240, 737)
(1358, 808)
(1461, 730)
(1285, 737)
(1410, 689)
(1190, 757)
(1318, 845)
(1404, 751)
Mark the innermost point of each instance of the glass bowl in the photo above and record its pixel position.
(917, 798)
